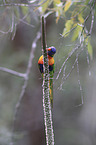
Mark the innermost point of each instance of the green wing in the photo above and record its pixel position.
(51, 85)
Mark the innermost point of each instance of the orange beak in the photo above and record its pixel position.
(48, 49)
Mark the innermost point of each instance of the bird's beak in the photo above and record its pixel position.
(48, 49)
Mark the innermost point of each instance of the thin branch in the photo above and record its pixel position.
(88, 61)
(83, 27)
(64, 78)
(22, 20)
(12, 72)
(91, 11)
(5, 32)
(76, 48)
(27, 72)
(78, 13)
(15, 4)
(92, 22)
(69, 31)
(79, 82)
(72, 29)
(14, 32)
(22, 4)
(12, 27)
(25, 81)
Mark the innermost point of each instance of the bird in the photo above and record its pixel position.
(50, 51)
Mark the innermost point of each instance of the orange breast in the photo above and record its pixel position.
(50, 60)
(40, 61)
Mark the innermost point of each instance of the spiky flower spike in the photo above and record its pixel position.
(51, 51)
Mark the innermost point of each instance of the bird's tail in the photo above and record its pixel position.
(51, 91)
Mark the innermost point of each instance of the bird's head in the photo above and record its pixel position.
(51, 51)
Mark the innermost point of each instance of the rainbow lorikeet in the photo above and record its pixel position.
(51, 51)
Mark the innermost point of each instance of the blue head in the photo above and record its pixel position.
(51, 51)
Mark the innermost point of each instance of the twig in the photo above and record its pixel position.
(88, 62)
(5, 32)
(14, 25)
(64, 78)
(25, 81)
(92, 22)
(79, 82)
(91, 11)
(22, 20)
(72, 29)
(83, 27)
(67, 60)
(27, 72)
(22, 4)
(69, 31)
(13, 72)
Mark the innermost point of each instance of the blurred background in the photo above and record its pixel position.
(74, 124)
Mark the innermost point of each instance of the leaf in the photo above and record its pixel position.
(45, 5)
(68, 27)
(76, 33)
(58, 8)
(25, 12)
(56, 2)
(80, 18)
(90, 50)
(67, 5)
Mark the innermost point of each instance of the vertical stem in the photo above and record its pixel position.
(46, 99)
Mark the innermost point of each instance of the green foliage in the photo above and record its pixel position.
(86, 2)
(68, 26)
(90, 50)
(67, 5)
(17, 12)
(80, 18)
(58, 7)
(45, 5)
(25, 11)
(76, 33)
